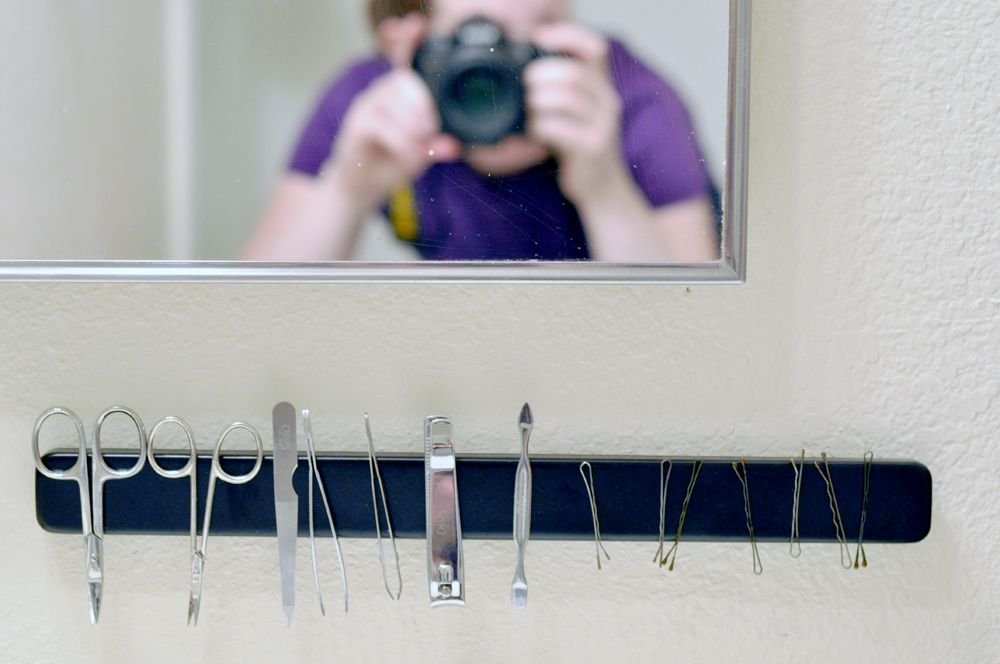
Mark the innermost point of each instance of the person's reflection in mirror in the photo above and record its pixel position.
(608, 167)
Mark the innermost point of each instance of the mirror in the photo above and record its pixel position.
(584, 139)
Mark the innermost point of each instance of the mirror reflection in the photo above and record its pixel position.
(376, 130)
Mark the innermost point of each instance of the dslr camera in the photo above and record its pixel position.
(475, 78)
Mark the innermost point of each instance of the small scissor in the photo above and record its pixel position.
(189, 470)
(93, 523)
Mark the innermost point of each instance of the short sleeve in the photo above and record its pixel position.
(316, 140)
(658, 138)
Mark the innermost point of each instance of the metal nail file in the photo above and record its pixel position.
(286, 501)
(445, 567)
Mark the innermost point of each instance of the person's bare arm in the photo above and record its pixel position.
(308, 219)
(621, 226)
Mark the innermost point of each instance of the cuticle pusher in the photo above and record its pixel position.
(522, 510)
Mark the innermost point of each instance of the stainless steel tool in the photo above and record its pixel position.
(445, 567)
(286, 501)
(92, 510)
(522, 510)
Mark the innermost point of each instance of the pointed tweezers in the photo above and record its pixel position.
(314, 475)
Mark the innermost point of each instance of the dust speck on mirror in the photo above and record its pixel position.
(368, 130)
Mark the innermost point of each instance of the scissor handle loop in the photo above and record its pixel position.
(99, 461)
(187, 468)
(73, 472)
(217, 456)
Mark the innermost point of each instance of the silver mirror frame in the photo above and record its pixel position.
(730, 269)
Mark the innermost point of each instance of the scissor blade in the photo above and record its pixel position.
(95, 601)
(194, 603)
(194, 599)
(95, 575)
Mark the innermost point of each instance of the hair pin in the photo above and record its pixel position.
(740, 468)
(658, 557)
(869, 458)
(598, 543)
(794, 542)
(838, 522)
(672, 553)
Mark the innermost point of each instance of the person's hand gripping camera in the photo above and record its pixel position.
(392, 131)
(473, 90)
(575, 110)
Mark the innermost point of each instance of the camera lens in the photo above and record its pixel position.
(480, 91)
(484, 102)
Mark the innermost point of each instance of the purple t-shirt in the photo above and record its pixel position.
(462, 214)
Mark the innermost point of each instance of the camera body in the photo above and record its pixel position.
(475, 78)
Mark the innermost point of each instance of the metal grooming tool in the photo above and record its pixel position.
(740, 468)
(314, 475)
(589, 484)
(838, 522)
(671, 556)
(218, 473)
(376, 476)
(664, 483)
(794, 541)
(445, 566)
(92, 514)
(522, 510)
(188, 470)
(286, 501)
(860, 551)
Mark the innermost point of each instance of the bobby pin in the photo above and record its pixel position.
(598, 544)
(663, 506)
(376, 476)
(672, 553)
(869, 457)
(740, 468)
(794, 543)
(838, 522)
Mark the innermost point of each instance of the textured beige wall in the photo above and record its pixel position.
(870, 319)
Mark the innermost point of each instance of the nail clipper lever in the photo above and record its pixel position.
(445, 569)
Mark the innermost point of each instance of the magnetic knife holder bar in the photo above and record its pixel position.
(626, 489)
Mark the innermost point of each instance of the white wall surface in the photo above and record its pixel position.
(870, 319)
(81, 124)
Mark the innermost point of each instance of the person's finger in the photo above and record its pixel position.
(410, 95)
(442, 148)
(553, 107)
(560, 133)
(548, 71)
(417, 120)
(570, 130)
(401, 99)
(404, 87)
(381, 137)
(570, 94)
(573, 40)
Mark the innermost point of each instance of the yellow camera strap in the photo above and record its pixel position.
(403, 214)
